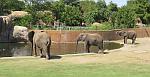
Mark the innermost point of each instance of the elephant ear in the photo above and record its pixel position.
(125, 33)
(119, 33)
(84, 36)
(30, 36)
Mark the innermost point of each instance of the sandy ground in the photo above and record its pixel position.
(138, 53)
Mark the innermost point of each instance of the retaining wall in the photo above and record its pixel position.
(62, 36)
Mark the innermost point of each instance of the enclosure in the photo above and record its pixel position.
(128, 61)
(64, 42)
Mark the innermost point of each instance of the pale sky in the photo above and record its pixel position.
(118, 2)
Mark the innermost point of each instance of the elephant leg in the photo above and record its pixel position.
(34, 50)
(88, 48)
(100, 47)
(41, 53)
(125, 40)
(133, 41)
(47, 51)
(48, 55)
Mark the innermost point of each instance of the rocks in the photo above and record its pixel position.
(19, 13)
(14, 34)
(9, 32)
(20, 33)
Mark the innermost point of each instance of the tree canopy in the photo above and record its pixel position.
(76, 12)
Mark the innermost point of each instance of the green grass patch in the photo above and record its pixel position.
(33, 67)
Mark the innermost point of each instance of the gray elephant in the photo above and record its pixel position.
(40, 40)
(90, 39)
(131, 34)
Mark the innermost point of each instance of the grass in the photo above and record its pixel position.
(33, 67)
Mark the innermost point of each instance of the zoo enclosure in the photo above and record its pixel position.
(61, 36)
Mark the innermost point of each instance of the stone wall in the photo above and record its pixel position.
(6, 29)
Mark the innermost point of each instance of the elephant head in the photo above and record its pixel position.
(81, 37)
(121, 33)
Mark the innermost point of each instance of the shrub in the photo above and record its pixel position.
(102, 26)
(23, 21)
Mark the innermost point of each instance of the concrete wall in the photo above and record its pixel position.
(70, 36)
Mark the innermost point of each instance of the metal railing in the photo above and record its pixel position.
(60, 27)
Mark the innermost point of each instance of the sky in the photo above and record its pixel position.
(118, 2)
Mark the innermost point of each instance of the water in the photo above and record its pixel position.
(21, 49)
(14, 49)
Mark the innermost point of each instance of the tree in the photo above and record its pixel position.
(111, 13)
(125, 18)
(6, 6)
(89, 11)
(71, 16)
(101, 5)
(141, 8)
(58, 8)
(72, 2)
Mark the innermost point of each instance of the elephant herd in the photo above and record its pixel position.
(42, 41)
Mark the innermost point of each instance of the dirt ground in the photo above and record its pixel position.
(138, 53)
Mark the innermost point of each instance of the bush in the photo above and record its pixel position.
(23, 21)
(45, 16)
(102, 26)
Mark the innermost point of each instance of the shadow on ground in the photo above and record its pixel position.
(55, 57)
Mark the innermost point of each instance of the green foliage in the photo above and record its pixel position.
(90, 17)
(58, 8)
(112, 7)
(71, 15)
(72, 2)
(23, 21)
(74, 12)
(101, 26)
(101, 13)
(106, 26)
(6, 6)
(46, 16)
(141, 8)
(124, 18)
(89, 11)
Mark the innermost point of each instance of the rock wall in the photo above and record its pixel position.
(7, 28)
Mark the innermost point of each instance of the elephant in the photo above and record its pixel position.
(90, 39)
(40, 40)
(131, 34)
(1, 24)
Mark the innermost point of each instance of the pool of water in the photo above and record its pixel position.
(21, 49)
(14, 49)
